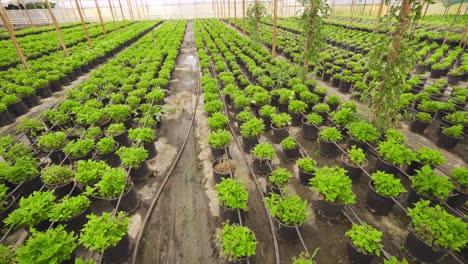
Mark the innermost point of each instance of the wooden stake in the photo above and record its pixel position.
(243, 16)
(83, 23)
(138, 10)
(229, 11)
(351, 13)
(112, 12)
(275, 17)
(27, 13)
(11, 33)
(82, 9)
(61, 13)
(73, 10)
(364, 8)
(59, 33)
(222, 9)
(143, 10)
(464, 39)
(282, 8)
(123, 17)
(235, 13)
(100, 18)
(131, 11)
(372, 7)
(425, 11)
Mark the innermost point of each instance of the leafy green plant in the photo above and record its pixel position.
(115, 130)
(245, 115)
(333, 100)
(69, 207)
(429, 156)
(52, 140)
(106, 145)
(18, 151)
(24, 168)
(305, 258)
(365, 238)
(219, 139)
(7, 254)
(314, 119)
(309, 97)
(453, 131)
(252, 128)
(321, 90)
(306, 164)
(394, 260)
(289, 143)
(363, 132)
(321, 108)
(79, 147)
(132, 156)
(280, 176)
(110, 185)
(395, 153)
(427, 182)
(118, 113)
(290, 210)
(263, 151)
(3, 192)
(52, 246)
(267, 110)
(144, 135)
(343, 117)
(32, 210)
(89, 171)
(217, 121)
(232, 194)
(33, 127)
(213, 107)
(237, 242)
(394, 135)
(356, 155)
(438, 228)
(460, 174)
(333, 184)
(387, 184)
(330, 134)
(93, 133)
(100, 233)
(280, 120)
(55, 175)
(423, 117)
(241, 101)
(297, 106)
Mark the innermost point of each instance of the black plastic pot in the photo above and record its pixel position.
(458, 198)
(378, 203)
(6, 118)
(10, 207)
(219, 152)
(29, 186)
(328, 209)
(327, 148)
(295, 119)
(384, 166)
(291, 154)
(436, 74)
(447, 142)
(414, 197)
(118, 253)
(279, 133)
(267, 122)
(309, 131)
(55, 85)
(286, 233)
(111, 158)
(64, 81)
(62, 190)
(87, 156)
(344, 86)
(414, 165)
(418, 127)
(129, 202)
(31, 100)
(420, 68)
(18, 108)
(57, 156)
(335, 82)
(354, 171)
(272, 187)
(248, 143)
(419, 250)
(228, 214)
(304, 177)
(77, 222)
(218, 175)
(151, 148)
(123, 139)
(261, 166)
(282, 108)
(355, 256)
(139, 174)
(357, 143)
(453, 79)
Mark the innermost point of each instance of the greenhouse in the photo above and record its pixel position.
(233, 131)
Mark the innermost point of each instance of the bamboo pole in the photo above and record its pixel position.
(131, 11)
(453, 23)
(59, 33)
(333, 6)
(243, 16)
(61, 12)
(100, 19)
(27, 13)
(364, 8)
(380, 9)
(73, 10)
(464, 39)
(82, 9)
(11, 33)
(275, 17)
(47, 15)
(229, 11)
(235, 13)
(143, 10)
(138, 10)
(123, 17)
(351, 13)
(282, 8)
(372, 7)
(147, 10)
(85, 28)
(112, 12)
(222, 9)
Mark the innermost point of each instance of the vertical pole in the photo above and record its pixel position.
(131, 10)
(73, 10)
(138, 10)
(275, 17)
(112, 12)
(123, 17)
(351, 13)
(372, 6)
(364, 8)
(47, 15)
(379, 13)
(11, 33)
(235, 13)
(143, 10)
(82, 9)
(100, 18)
(243, 16)
(333, 7)
(282, 8)
(85, 29)
(222, 9)
(61, 12)
(59, 33)
(425, 11)
(27, 13)
(453, 22)
(229, 11)
(147, 10)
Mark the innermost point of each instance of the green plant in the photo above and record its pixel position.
(55, 175)
(320, 90)
(356, 155)
(261, 98)
(394, 260)
(333, 184)
(263, 151)
(331, 134)
(343, 117)
(438, 228)
(297, 106)
(252, 128)
(289, 143)
(18, 151)
(427, 182)
(93, 133)
(285, 95)
(280, 177)
(267, 110)
(280, 120)
(110, 185)
(237, 242)
(52, 140)
(156, 96)
(68, 208)
(365, 238)
(429, 156)
(32, 210)
(321, 108)
(458, 117)
(291, 210)
(232, 194)
(118, 113)
(395, 153)
(115, 130)
(363, 132)
(429, 106)
(213, 107)
(33, 127)
(132, 156)
(100, 233)
(241, 101)
(453, 131)
(89, 171)
(305, 258)
(309, 97)
(314, 119)
(333, 100)
(52, 246)
(423, 117)
(3, 192)
(387, 184)
(144, 135)
(23, 169)
(460, 174)
(394, 135)
(306, 164)
(106, 145)
(245, 115)
(7, 255)
(219, 139)
(217, 121)
(79, 147)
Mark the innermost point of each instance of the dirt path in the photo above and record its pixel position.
(181, 227)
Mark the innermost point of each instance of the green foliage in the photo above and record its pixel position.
(115, 130)
(55, 175)
(427, 182)
(453, 131)
(333, 100)
(285, 95)
(343, 117)
(68, 208)
(429, 156)
(237, 242)
(252, 128)
(280, 120)
(356, 155)
(267, 110)
(232, 194)
(438, 228)
(460, 174)
(93, 133)
(304, 258)
(52, 246)
(52, 140)
(213, 107)
(219, 139)
(331, 134)
(217, 121)
(106, 145)
(309, 97)
(18, 151)
(289, 143)
(156, 96)
(363, 132)
(306, 164)
(290, 210)
(365, 238)
(32, 210)
(118, 113)
(245, 115)
(297, 106)
(394, 260)
(280, 177)
(241, 101)
(395, 136)
(333, 184)
(111, 184)
(100, 233)
(79, 147)
(314, 119)
(3, 192)
(89, 171)
(395, 153)
(387, 184)
(23, 169)
(144, 135)
(423, 117)
(132, 156)
(263, 151)
(33, 126)
(321, 108)
(7, 255)
(261, 98)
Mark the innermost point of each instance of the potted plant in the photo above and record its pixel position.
(107, 235)
(336, 78)
(333, 101)
(223, 168)
(119, 113)
(217, 121)
(421, 121)
(237, 242)
(145, 136)
(289, 212)
(425, 156)
(290, 148)
(213, 107)
(52, 246)
(105, 151)
(354, 162)
(31, 127)
(296, 109)
(219, 141)
(305, 258)
(321, 109)
(309, 98)
(335, 190)
(460, 192)
(343, 117)
(391, 155)
(250, 131)
(24, 172)
(241, 102)
(310, 126)
(364, 242)
(383, 188)
(5, 116)
(243, 116)
(134, 158)
(71, 210)
(263, 154)
(89, 172)
(433, 230)
(450, 137)
(79, 149)
(362, 133)
(279, 124)
(307, 168)
(428, 185)
(328, 139)
(285, 95)
(58, 178)
(277, 180)
(232, 196)
(119, 133)
(265, 114)
(52, 143)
